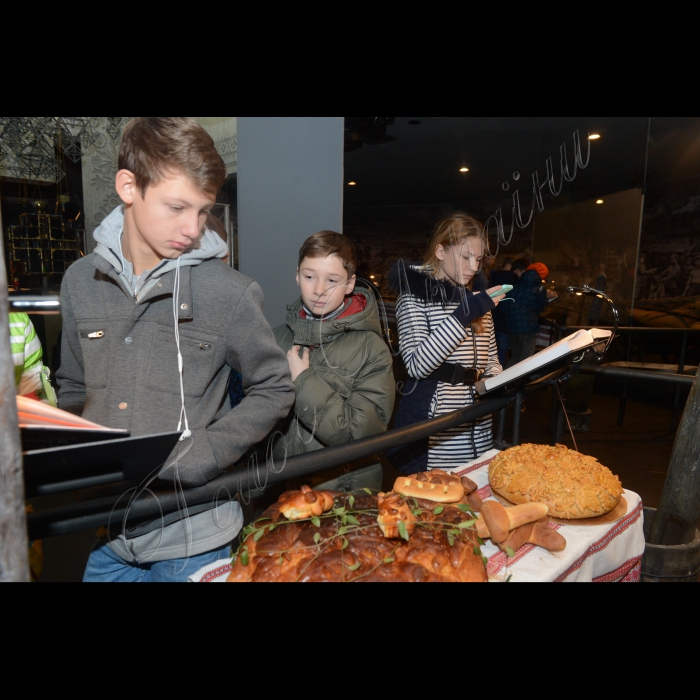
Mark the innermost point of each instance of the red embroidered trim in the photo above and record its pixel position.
(500, 561)
(476, 467)
(634, 576)
(485, 493)
(621, 527)
(622, 573)
(217, 573)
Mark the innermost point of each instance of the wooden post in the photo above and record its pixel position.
(677, 519)
(14, 548)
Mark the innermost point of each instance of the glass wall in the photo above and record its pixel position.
(621, 209)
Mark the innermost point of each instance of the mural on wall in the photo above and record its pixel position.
(99, 171)
(591, 243)
(668, 279)
(30, 146)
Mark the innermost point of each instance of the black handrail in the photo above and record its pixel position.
(111, 511)
(622, 373)
(631, 331)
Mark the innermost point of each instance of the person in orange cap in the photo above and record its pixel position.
(541, 269)
(522, 317)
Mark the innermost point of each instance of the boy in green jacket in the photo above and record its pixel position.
(341, 367)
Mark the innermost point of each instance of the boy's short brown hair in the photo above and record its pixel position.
(327, 243)
(152, 148)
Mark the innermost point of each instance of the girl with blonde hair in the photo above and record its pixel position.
(448, 343)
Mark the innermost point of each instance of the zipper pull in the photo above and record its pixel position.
(93, 336)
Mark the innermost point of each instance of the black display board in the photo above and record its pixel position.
(73, 467)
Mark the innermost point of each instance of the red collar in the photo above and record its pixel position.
(358, 304)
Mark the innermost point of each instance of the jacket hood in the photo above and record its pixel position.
(312, 332)
(108, 238)
(531, 279)
(412, 278)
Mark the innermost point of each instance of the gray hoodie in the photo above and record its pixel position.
(119, 368)
(109, 245)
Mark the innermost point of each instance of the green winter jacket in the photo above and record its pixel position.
(349, 391)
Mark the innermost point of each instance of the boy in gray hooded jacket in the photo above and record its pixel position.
(154, 323)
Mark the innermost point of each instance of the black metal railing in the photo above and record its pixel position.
(103, 512)
(112, 509)
(627, 335)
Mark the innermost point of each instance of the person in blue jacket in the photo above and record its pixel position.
(522, 317)
(508, 275)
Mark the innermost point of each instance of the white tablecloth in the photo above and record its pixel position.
(600, 554)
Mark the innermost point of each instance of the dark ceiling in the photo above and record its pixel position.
(419, 158)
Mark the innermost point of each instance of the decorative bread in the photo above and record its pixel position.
(347, 545)
(571, 485)
(538, 534)
(393, 510)
(469, 486)
(305, 504)
(437, 486)
(475, 503)
(497, 522)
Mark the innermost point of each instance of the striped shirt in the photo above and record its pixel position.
(31, 377)
(429, 336)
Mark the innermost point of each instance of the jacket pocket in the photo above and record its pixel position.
(199, 352)
(94, 344)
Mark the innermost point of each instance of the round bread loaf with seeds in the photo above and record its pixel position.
(572, 485)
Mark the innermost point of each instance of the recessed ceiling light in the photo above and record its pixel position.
(464, 170)
(593, 137)
(600, 201)
(352, 184)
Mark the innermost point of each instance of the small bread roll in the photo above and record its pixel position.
(497, 521)
(475, 502)
(305, 504)
(517, 517)
(469, 486)
(517, 539)
(436, 486)
(538, 534)
(393, 510)
(545, 537)
(525, 514)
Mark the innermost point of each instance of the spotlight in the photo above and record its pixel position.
(594, 137)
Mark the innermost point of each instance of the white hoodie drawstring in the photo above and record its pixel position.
(180, 362)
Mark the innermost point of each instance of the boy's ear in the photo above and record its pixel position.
(126, 186)
(351, 285)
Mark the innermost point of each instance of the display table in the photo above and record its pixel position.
(600, 554)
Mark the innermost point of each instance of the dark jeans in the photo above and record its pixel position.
(523, 346)
(503, 342)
